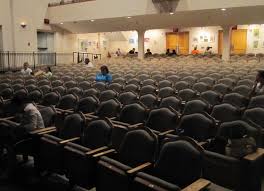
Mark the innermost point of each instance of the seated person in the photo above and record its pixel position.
(104, 76)
(168, 52)
(132, 51)
(173, 53)
(47, 72)
(148, 53)
(118, 52)
(26, 71)
(88, 63)
(258, 88)
(208, 50)
(195, 51)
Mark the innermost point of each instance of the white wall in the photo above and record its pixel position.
(1, 39)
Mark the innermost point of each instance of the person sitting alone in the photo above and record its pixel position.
(132, 51)
(88, 63)
(118, 52)
(26, 71)
(168, 52)
(195, 51)
(104, 76)
(258, 88)
(208, 51)
(46, 73)
(173, 53)
(148, 53)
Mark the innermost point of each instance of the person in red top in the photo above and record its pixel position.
(195, 51)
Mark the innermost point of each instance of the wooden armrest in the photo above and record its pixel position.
(202, 143)
(70, 140)
(96, 150)
(137, 125)
(120, 123)
(113, 118)
(166, 132)
(64, 110)
(10, 122)
(139, 168)
(198, 185)
(104, 153)
(47, 132)
(8, 118)
(42, 130)
(254, 156)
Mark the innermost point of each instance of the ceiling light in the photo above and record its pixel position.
(92, 20)
(223, 9)
(171, 13)
(129, 17)
(61, 23)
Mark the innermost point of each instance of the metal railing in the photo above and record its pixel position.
(80, 56)
(67, 2)
(13, 61)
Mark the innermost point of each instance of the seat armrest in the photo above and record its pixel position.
(37, 131)
(69, 140)
(198, 185)
(9, 122)
(120, 123)
(8, 118)
(104, 153)
(166, 132)
(92, 152)
(256, 155)
(139, 168)
(136, 125)
(64, 110)
(47, 132)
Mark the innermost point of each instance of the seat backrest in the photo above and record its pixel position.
(48, 115)
(127, 98)
(51, 98)
(255, 115)
(88, 104)
(171, 102)
(257, 101)
(91, 92)
(149, 100)
(68, 101)
(187, 94)
(236, 100)
(196, 106)
(226, 112)
(107, 95)
(166, 92)
(148, 89)
(212, 97)
(109, 108)
(133, 114)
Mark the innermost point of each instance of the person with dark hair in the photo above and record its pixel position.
(208, 50)
(148, 53)
(195, 51)
(88, 63)
(132, 51)
(168, 52)
(258, 88)
(47, 72)
(173, 53)
(26, 71)
(104, 76)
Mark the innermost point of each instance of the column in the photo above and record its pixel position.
(141, 51)
(227, 33)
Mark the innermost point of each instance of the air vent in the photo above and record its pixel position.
(166, 6)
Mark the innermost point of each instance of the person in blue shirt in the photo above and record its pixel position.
(104, 76)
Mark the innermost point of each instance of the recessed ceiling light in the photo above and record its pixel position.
(171, 13)
(61, 23)
(223, 9)
(92, 20)
(129, 17)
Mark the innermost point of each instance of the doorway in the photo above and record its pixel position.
(178, 41)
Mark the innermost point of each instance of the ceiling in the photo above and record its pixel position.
(212, 17)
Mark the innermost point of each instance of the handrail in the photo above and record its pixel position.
(67, 2)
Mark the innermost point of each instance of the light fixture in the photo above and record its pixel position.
(223, 9)
(171, 13)
(61, 23)
(23, 25)
(92, 20)
(129, 17)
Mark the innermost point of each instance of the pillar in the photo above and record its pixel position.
(227, 33)
(141, 51)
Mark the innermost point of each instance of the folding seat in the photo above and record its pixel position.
(166, 92)
(149, 100)
(56, 83)
(198, 75)
(7, 93)
(119, 80)
(226, 113)
(171, 102)
(148, 89)
(148, 82)
(172, 171)
(135, 81)
(51, 98)
(91, 92)
(143, 77)
(77, 91)
(254, 116)
(132, 114)
(235, 77)
(88, 104)
(60, 89)
(107, 95)
(215, 76)
(181, 85)
(116, 87)
(173, 78)
(70, 84)
(5, 85)
(138, 147)
(127, 98)
(162, 119)
(99, 85)
(79, 79)
(91, 78)
(227, 81)
(51, 146)
(17, 87)
(221, 88)
(109, 108)
(257, 101)
(31, 87)
(242, 90)
(131, 87)
(130, 76)
(6, 81)
(250, 77)
(30, 82)
(153, 73)
(184, 74)
(196, 106)
(187, 94)
(169, 73)
(212, 97)
(246, 82)
(84, 85)
(18, 81)
(43, 82)
(66, 78)
(158, 77)
(190, 79)
(201, 87)
(236, 100)
(68, 102)
(164, 83)
(198, 126)
(35, 96)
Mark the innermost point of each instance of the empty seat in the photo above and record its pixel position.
(212, 97)
(257, 101)
(60, 89)
(236, 100)
(187, 94)
(91, 92)
(109, 108)
(76, 90)
(51, 98)
(99, 85)
(131, 87)
(166, 92)
(35, 96)
(149, 100)
(226, 113)
(67, 102)
(181, 85)
(164, 83)
(208, 80)
(201, 87)
(171, 102)
(107, 95)
(243, 90)
(221, 88)
(88, 104)
(148, 89)
(196, 106)
(148, 82)
(85, 85)
(116, 86)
